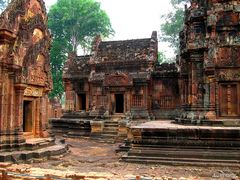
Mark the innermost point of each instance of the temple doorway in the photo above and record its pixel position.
(229, 100)
(81, 102)
(27, 116)
(119, 100)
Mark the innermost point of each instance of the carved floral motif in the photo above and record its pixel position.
(228, 75)
(33, 92)
(118, 80)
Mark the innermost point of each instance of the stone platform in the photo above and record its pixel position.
(112, 129)
(35, 148)
(70, 127)
(168, 143)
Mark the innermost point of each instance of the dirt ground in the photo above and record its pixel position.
(95, 160)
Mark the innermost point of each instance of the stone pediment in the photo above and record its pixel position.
(118, 79)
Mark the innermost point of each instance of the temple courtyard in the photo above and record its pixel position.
(125, 115)
(91, 159)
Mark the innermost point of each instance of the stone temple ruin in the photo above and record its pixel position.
(121, 80)
(25, 81)
(113, 91)
(209, 61)
(187, 112)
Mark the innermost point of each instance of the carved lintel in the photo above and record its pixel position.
(33, 91)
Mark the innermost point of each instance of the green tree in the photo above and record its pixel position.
(74, 24)
(161, 57)
(174, 24)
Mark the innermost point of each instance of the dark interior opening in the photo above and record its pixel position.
(27, 116)
(119, 103)
(82, 101)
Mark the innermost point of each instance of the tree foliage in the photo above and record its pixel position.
(174, 24)
(161, 57)
(74, 24)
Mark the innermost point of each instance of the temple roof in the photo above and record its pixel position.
(107, 57)
(76, 66)
(123, 50)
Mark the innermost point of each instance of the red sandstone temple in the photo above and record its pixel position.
(121, 77)
(25, 78)
(209, 61)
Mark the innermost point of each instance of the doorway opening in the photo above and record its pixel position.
(82, 102)
(119, 99)
(27, 116)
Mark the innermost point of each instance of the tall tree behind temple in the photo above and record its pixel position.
(74, 24)
(174, 24)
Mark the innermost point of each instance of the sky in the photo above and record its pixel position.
(132, 19)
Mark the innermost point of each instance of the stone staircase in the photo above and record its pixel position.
(166, 143)
(70, 127)
(183, 156)
(36, 148)
(110, 131)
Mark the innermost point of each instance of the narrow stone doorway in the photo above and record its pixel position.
(82, 102)
(119, 99)
(27, 116)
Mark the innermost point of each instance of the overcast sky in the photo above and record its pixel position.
(134, 18)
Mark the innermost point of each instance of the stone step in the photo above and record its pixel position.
(181, 161)
(111, 122)
(78, 133)
(104, 138)
(123, 148)
(110, 133)
(110, 129)
(37, 143)
(186, 153)
(188, 144)
(110, 126)
(23, 156)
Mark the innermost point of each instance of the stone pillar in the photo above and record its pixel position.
(190, 85)
(212, 92)
(211, 114)
(3, 115)
(87, 90)
(194, 84)
(113, 108)
(145, 96)
(43, 119)
(69, 104)
(109, 102)
(1, 99)
(128, 94)
(19, 89)
(37, 122)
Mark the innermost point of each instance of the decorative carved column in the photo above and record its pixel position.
(128, 94)
(1, 99)
(212, 82)
(194, 84)
(69, 104)
(211, 114)
(145, 96)
(19, 89)
(11, 105)
(37, 123)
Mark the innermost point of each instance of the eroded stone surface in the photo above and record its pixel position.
(209, 61)
(25, 76)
